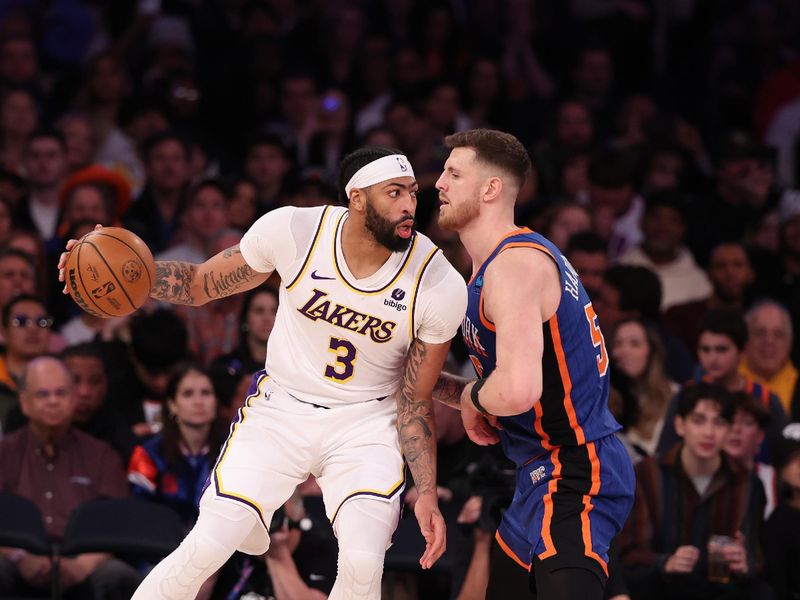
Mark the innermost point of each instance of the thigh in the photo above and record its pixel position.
(507, 577)
(584, 507)
(362, 457)
(568, 583)
(268, 453)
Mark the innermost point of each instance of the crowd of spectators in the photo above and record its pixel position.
(665, 140)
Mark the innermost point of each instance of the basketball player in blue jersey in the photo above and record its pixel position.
(542, 367)
(367, 310)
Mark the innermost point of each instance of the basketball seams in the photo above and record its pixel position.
(80, 276)
(132, 249)
(113, 274)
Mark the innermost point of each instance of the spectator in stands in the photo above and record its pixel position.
(665, 553)
(140, 371)
(662, 250)
(156, 215)
(723, 336)
(767, 357)
(617, 208)
(731, 275)
(26, 327)
(257, 318)
(267, 165)
(93, 415)
(748, 429)
(17, 275)
(301, 560)
(19, 117)
(782, 531)
(58, 468)
(19, 61)
(46, 166)
(243, 208)
(635, 292)
(204, 221)
(79, 135)
(172, 467)
(561, 221)
(96, 194)
(586, 251)
(637, 352)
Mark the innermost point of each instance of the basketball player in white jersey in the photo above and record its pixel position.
(367, 310)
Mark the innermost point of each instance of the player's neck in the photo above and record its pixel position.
(362, 252)
(481, 236)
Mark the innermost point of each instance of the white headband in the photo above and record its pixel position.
(382, 169)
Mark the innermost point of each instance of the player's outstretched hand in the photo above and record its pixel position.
(431, 524)
(62, 260)
(480, 430)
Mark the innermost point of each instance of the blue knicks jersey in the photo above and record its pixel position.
(573, 408)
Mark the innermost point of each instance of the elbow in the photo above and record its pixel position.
(520, 397)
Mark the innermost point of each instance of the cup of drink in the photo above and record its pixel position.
(718, 569)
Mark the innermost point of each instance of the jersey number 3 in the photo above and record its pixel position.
(597, 339)
(342, 370)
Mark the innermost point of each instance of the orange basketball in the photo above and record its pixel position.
(109, 272)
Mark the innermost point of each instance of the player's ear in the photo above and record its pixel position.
(357, 199)
(492, 188)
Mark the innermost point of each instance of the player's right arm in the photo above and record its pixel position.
(220, 276)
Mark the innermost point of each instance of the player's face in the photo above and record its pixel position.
(718, 356)
(389, 212)
(745, 436)
(194, 404)
(703, 430)
(90, 385)
(630, 349)
(459, 190)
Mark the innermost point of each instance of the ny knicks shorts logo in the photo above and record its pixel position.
(537, 474)
(397, 295)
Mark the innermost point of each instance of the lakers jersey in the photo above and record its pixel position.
(573, 408)
(337, 339)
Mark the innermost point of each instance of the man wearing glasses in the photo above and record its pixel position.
(27, 328)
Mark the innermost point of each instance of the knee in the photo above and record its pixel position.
(359, 566)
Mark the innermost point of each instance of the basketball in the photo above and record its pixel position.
(109, 272)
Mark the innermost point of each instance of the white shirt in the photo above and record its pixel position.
(682, 281)
(337, 339)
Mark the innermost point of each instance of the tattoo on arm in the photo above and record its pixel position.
(174, 282)
(415, 424)
(219, 285)
(448, 389)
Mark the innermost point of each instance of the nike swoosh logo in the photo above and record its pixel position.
(315, 276)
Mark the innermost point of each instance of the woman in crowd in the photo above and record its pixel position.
(637, 353)
(172, 466)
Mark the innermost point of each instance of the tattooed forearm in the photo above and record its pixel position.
(174, 282)
(219, 285)
(448, 389)
(415, 424)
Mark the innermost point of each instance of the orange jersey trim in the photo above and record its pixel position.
(586, 529)
(510, 553)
